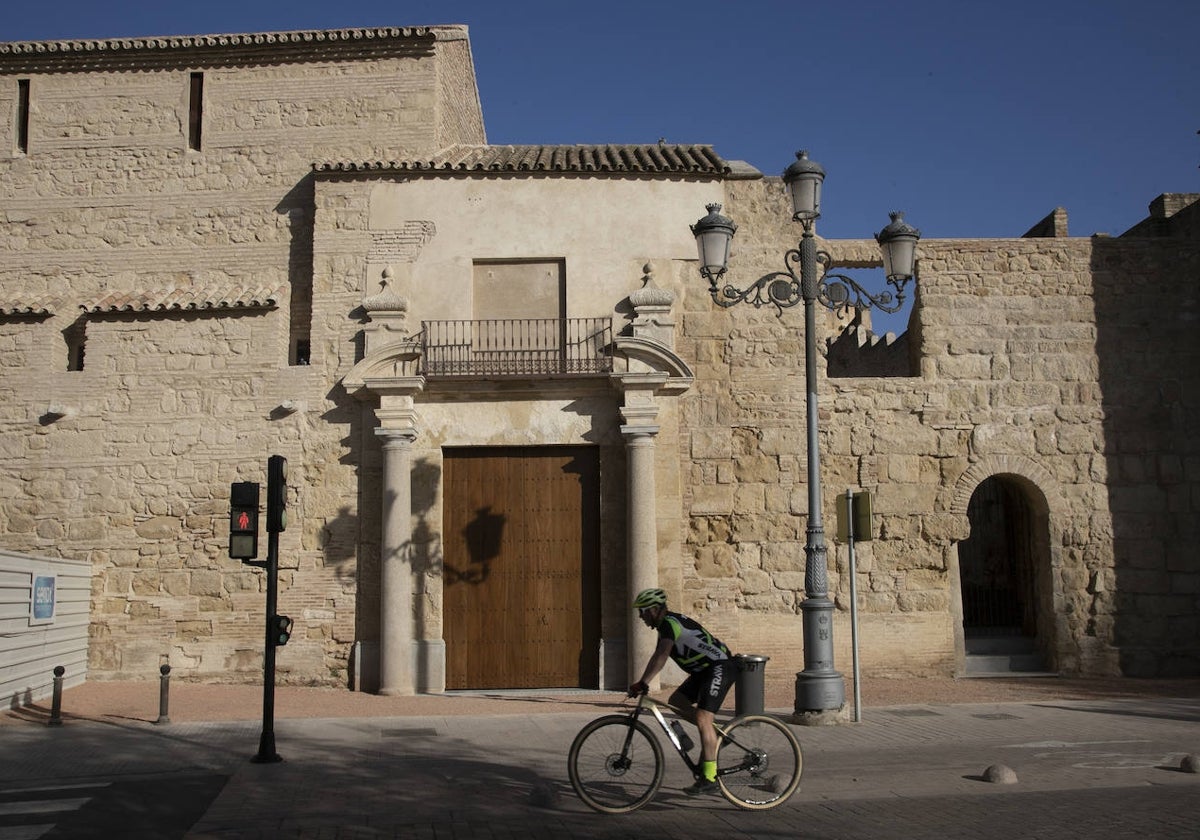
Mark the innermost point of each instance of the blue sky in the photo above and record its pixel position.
(976, 118)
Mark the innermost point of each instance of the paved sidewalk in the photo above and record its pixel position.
(1103, 766)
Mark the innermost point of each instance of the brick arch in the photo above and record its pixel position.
(1018, 465)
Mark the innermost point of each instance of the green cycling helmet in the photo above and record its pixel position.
(650, 598)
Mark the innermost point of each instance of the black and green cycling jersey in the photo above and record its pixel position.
(694, 648)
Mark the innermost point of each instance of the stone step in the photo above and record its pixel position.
(990, 645)
(1003, 664)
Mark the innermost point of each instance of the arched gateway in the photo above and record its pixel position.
(1008, 591)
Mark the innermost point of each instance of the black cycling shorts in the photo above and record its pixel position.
(707, 689)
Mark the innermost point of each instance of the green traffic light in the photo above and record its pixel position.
(281, 630)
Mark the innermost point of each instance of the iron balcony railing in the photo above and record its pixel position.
(529, 347)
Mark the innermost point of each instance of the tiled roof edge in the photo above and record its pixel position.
(626, 159)
(256, 40)
(30, 310)
(183, 300)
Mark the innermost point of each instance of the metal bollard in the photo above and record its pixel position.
(164, 691)
(56, 703)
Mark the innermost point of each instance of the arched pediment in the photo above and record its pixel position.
(640, 356)
(390, 369)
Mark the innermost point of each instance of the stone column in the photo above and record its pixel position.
(396, 573)
(651, 369)
(389, 373)
(642, 527)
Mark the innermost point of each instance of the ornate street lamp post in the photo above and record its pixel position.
(819, 687)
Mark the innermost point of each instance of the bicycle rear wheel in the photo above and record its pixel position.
(758, 762)
(615, 764)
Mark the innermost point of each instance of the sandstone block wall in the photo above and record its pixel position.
(185, 275)
(1053, 361)
(190, 279)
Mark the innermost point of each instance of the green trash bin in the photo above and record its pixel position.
(749, 689)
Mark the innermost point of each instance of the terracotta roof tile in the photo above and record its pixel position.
(222, 50)
(223, 41)
(643, 159)
(36, 308)
(184, 300)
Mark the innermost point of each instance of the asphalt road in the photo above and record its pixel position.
(1105, 768)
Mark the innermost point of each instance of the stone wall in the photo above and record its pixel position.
(191, 278)
(188, 275)
(1034, 365)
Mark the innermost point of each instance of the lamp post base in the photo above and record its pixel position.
(820, 688)
(820, 698)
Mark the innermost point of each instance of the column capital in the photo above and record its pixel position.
(397, 420)
(396, 437)
(640, 416)
(639, 435)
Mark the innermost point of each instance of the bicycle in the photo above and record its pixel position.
(616, 763)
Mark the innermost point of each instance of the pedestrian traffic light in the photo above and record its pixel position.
(281, 630)
(276, 494)
(243, 520)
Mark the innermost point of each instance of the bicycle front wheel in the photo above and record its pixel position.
(615, 764)
(758, 762)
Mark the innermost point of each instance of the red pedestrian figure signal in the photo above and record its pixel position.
(243, 520)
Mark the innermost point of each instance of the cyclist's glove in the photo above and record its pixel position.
(638, 688)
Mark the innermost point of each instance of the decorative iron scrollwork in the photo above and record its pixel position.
(784, 289)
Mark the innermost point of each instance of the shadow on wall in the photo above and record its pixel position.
(1147, 315)
(299, 208)
(484, 535)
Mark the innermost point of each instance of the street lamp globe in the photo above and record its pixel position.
(714, 235)
(898, 242)
(803, 179)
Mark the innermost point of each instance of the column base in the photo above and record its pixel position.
(430, 658)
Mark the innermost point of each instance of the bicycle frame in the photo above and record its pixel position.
(646, 702)
(616, 763)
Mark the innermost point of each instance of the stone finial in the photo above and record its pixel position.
(386, 300)
(652, 310)
(387, 312)
(650, 294)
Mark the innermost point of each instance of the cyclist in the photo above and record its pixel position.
(710, 668)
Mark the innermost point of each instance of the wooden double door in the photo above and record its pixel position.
(521, 570)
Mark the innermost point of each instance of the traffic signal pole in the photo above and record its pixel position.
(266, 743)
(277, 628)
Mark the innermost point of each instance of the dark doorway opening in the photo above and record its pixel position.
(1003, 568)
(996, 563)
